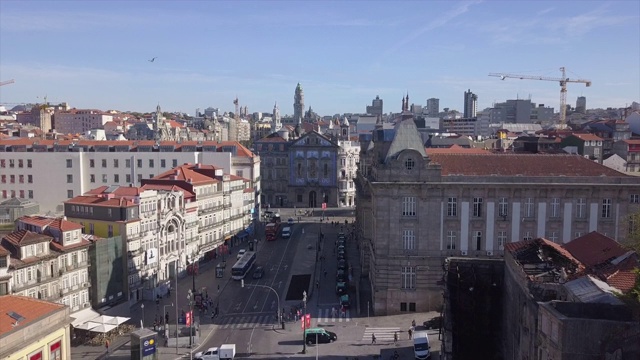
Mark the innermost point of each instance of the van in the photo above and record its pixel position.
(321, 335)
(421, 346)
(241, 253)
(286, 232)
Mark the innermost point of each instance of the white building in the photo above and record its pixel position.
(79, 121)
(31, 168)
(48, 260)
(348, 158)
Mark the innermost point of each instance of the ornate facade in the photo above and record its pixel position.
(298, 103)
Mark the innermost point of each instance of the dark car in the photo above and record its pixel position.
(341, 236)
(341, 255)
(341, 288)
(341, 276)
(319, 335)
(435, 323)
(342, 264)
(258, 273)
(290, 221)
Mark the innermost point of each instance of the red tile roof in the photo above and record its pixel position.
(531, 165)
(594, 248)
(99, 201)
(514, 247)
(3, 251)
(587, 137)
(623, 280)
(187, 174)
(64, 225)
(29, 308)
(456, 149)
(58, 247)
(36, 220)
(26, 237)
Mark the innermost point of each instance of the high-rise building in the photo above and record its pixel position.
(433, 107)
(298, 103)
(581, 105)
(376, 107)
(276, 125)
(470, 104)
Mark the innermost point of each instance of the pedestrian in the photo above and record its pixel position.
(106, 345)
(395, 337)
(373, 338)
(413, 323)
(317, 284)
(166, 317)
(325, 273)
(410, 332)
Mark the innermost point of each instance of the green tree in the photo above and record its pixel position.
(633, 238)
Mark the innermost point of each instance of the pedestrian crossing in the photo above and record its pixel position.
(382, 334)
(330, 315)
(246, 321)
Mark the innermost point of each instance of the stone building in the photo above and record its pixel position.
(414, 209)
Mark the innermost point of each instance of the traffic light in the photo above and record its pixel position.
(308, 320)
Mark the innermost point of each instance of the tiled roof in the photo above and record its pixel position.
(29, 308)
(587, 137)
(167, 187)
(58, 247)
(594, 248)
(515, 247)
(99, 201)
(530, 165)
(3, 251)
(36, 220)
(632, 141)
(26, 237)
(456, 149)
(64, 225)
(187, 174)
(624, 280)
(248, 190)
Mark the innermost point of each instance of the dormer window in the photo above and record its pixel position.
(409, 164)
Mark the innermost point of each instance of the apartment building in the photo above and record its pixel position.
(48, 260)
(80, 121)
(30, 168)
(416, 208)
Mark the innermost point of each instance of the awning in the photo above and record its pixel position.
(243, 234)
(83, 316)
(101, 328)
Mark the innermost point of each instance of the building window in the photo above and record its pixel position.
(581, 208)
(104, 163)
(115, 163)
(606, 208)
(92, 178)
(477, 236)
(527, 235)
(555, 208)
(451, 240)
(409, 206)
(139, 163)
(20, 163)
(21, 179)
(30, 179)
(634, 198)
(116, 178)
(163, 163)
(104, 178)
(12, 179)
(30, 194)
(69, 179)
(29, 163)
(127, 178)
(477, 206)
(529, 210)
(69, 194)
(69, 163)
(552, 236)
(174, 162)
(409, 164)
(139, 178)
(408, 240)
(3, 179)
(151, 163)
(2, 163)
(452, 207)
(127, 163)
(503, 207)
(502, 239)
(92, 163)
(299, 198)
(408, 277)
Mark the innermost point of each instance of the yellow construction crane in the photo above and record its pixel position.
(563, 87)
(7, 82)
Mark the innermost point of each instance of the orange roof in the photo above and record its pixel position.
(26, 237)
(594, 248)
(456, 149)
(64, 225)
(623, 280)
(36, 220)
(187, 174)
(29, 308)
(95, 200)
(587, 137)
(167, 187)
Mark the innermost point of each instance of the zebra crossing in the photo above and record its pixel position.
(385, 334)
(245, 321)
(329, 315)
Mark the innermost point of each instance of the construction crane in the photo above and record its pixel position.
(7, 82)
(563, 87)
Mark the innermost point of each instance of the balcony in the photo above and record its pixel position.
(237, 216)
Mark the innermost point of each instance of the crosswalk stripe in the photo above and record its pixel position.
(380, 333)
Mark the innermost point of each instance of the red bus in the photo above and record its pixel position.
(271, 231)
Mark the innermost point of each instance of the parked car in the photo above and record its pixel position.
(342, 236)
(320, 335)
(435, 323)
(341, 248)
(341, 255)
(341, 288)
(344, 301)
(290, 221)
(240, 253)
(258, 273)
(341, 276)
(342, 264)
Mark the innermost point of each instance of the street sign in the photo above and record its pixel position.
(324, 206)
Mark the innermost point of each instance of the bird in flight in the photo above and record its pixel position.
(153, 59)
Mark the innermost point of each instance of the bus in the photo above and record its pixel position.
(243, 266)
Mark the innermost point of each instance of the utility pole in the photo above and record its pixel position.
(304, 323)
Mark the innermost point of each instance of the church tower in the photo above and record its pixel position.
(298, 103)
(276, 125)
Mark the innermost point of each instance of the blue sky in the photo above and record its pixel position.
(95, 54)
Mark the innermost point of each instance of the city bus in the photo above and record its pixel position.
(243, 266)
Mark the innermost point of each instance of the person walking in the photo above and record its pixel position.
(395, 337)
(106, 345)
(413, 323)
(410, 332)
(373, 338)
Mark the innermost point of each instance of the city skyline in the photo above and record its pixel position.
(98, 54)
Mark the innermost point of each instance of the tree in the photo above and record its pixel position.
(633, 238)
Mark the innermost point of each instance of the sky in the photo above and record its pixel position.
(95, 54)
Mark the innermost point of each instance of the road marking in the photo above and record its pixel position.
(380, 333)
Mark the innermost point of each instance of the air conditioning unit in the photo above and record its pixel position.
(463, 253)
(86, 305)
(85, 284)
(489, 253)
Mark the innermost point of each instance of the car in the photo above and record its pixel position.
(210, 354)
(241, 253)
(290, 221)
(341, 288)
(258, 273)
(341, 254)
(342, 264)
(344, 301)
(341, 248)
(342, 236)
(435, 323)
(341, 276)
(319, 335)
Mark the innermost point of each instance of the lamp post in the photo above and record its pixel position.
(176, 291)
(191, 296)
(304, 323)
(142, 321)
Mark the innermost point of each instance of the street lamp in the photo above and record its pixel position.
(191, 296)
(304, 322)
(142, 321)
(279, 312)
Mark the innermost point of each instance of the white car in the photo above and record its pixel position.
(240, 253)
(210, 354)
